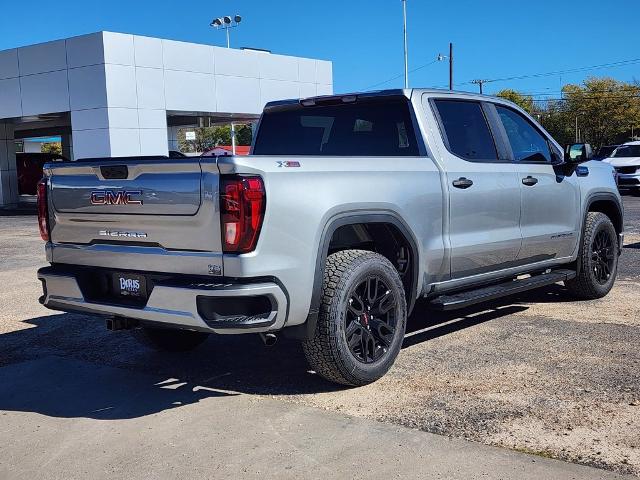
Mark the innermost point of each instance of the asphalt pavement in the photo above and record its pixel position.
(540, 374)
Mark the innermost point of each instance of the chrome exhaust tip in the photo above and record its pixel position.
(269, 339)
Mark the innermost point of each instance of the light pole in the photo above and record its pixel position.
(227, 23)
(406, 49)
(577, 129)
(450, 66)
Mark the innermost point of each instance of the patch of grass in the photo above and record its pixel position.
(537, 453)
(623, 467)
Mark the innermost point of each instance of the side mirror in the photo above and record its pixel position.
(578, 153)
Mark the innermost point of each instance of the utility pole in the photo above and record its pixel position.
(479, 83)
(406, 50)
(450, 66)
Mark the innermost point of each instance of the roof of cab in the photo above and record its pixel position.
(408, 93)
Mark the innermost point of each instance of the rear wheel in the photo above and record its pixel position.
(362, 319)
(597, 264)
(169, 340)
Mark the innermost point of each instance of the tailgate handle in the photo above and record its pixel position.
(114, 172)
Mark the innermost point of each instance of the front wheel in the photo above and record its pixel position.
(597, 264)
(169, 340)
(362, 319)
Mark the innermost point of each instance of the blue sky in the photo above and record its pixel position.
(493, 39)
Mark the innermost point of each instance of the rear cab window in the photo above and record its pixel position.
(366, 127)
(465, 130)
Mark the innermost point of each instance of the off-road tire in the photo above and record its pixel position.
(328, 352)
(169, 340)
(584, 285)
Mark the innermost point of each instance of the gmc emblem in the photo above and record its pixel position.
(112, 197)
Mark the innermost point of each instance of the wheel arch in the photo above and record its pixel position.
(608, 204)
(306, 330)
(584, 285)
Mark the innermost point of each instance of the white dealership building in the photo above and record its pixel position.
(111, 94)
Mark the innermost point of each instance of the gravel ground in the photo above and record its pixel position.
(537, 373)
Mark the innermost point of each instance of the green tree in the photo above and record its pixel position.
(523, 101)
(605, 109)
(555, 119)
(211, 137)
(52, 147)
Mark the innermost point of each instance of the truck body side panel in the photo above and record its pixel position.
(301, 201)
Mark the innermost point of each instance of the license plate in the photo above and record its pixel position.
(129, 285)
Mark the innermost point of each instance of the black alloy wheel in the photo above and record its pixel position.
(370, 320)
(597, 262)
(362, 319)
(603, 252)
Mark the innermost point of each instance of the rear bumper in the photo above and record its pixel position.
(187, 306)
(149, 259)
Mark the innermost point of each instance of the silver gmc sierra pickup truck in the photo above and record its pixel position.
(349, 210)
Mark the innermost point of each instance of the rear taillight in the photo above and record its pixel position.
(43, 213)
(242, 204)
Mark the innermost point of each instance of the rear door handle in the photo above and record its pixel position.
(529, 181)
(462, 182)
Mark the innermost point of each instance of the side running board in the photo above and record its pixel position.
(512, 287)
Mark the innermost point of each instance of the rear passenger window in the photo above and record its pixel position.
(466, 131)
(527, 143)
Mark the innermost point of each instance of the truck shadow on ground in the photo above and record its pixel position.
(69, 366)
(28, 210)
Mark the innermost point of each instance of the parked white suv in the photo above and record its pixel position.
(626, 160)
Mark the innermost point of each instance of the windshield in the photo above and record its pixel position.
(604, 152)
(363, 128)
(627, 151)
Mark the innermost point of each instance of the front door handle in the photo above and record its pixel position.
(529, 181)
(462, 182)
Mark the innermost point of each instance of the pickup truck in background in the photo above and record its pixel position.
(349, 209)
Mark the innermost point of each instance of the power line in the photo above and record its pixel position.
(592, 93)
(401, 75)
(627, 90)
(598, 97)
(620, 63)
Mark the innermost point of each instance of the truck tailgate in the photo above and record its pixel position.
(169, 204)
